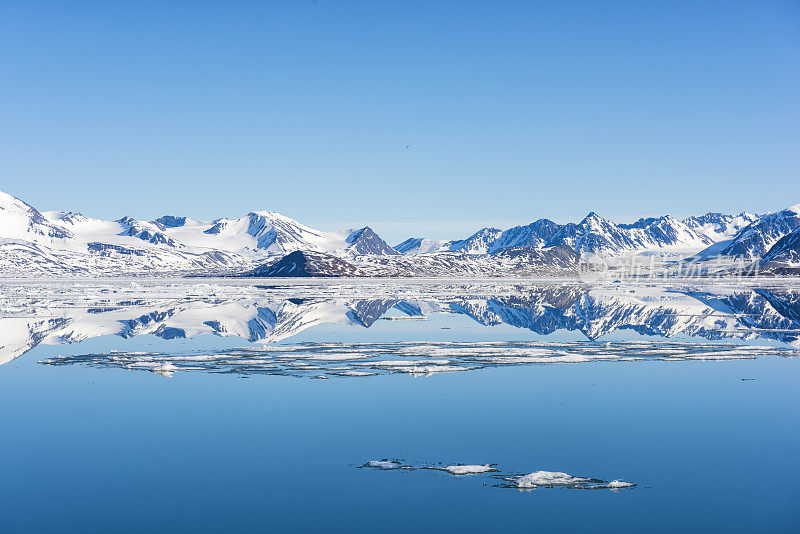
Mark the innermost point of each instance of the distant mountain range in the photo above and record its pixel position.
(62, 243)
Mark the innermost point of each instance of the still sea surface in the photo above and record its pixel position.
(234, 406)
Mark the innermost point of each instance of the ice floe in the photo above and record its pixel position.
(468, 469)
(530, 481)
(383, 464)
(311, 360)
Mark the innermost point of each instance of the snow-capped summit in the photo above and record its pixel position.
(785, 251)
(477, 243)
(171, 221)
(719, 226)
(67, 242)
(534, 235)
(597, 236)
(365, 241)
(167, 243)
(754, 240)
(19, 220)
(146, 231)
(421, 245)
(264, 230)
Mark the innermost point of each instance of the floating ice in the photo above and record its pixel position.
(468, 469)
(311, 360)
(383, 464)
(615, 484)
(552, 479)
(537, 479)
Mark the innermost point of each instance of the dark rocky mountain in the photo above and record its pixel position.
(146, 232)
(783, 258)
(170, 221)
(307, 264)
(557, 256)
(786, 250)
(365, 241)
(534, 235)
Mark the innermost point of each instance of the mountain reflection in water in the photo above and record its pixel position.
(716, 313)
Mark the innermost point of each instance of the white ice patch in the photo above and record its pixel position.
(552, 479)
(616, 484)
(548, 478)
(469, 469)
(537, 479)
(383, 464)
(416, 358)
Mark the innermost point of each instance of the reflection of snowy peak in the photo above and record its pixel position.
(723, 314)
(714, 313)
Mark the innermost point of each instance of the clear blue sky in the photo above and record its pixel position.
(513, 110)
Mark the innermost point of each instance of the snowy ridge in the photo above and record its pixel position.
(593, 236)
(420, 245)
(754, 240)
(34, 243)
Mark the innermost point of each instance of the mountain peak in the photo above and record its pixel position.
(366, 241)
(306, 264)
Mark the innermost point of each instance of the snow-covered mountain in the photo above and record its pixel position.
(33, 243)
(593, 236)
(305, 264)
(596, 236)
(19, 220)
(555, 261)
(420, 245)
(783, 258)
(534, 235)
(365, 241)
(477, 243)
(719, 226)
(786, 250)
(754, 240)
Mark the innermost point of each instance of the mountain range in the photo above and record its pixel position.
(61, 243)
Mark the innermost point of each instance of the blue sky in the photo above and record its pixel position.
(514, 110)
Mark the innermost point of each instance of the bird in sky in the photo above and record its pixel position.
(408, 146)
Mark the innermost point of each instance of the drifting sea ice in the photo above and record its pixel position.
(536, 479)
(383, 464)
(414, 358)
(469, 469)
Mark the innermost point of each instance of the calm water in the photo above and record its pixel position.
(173, 406)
